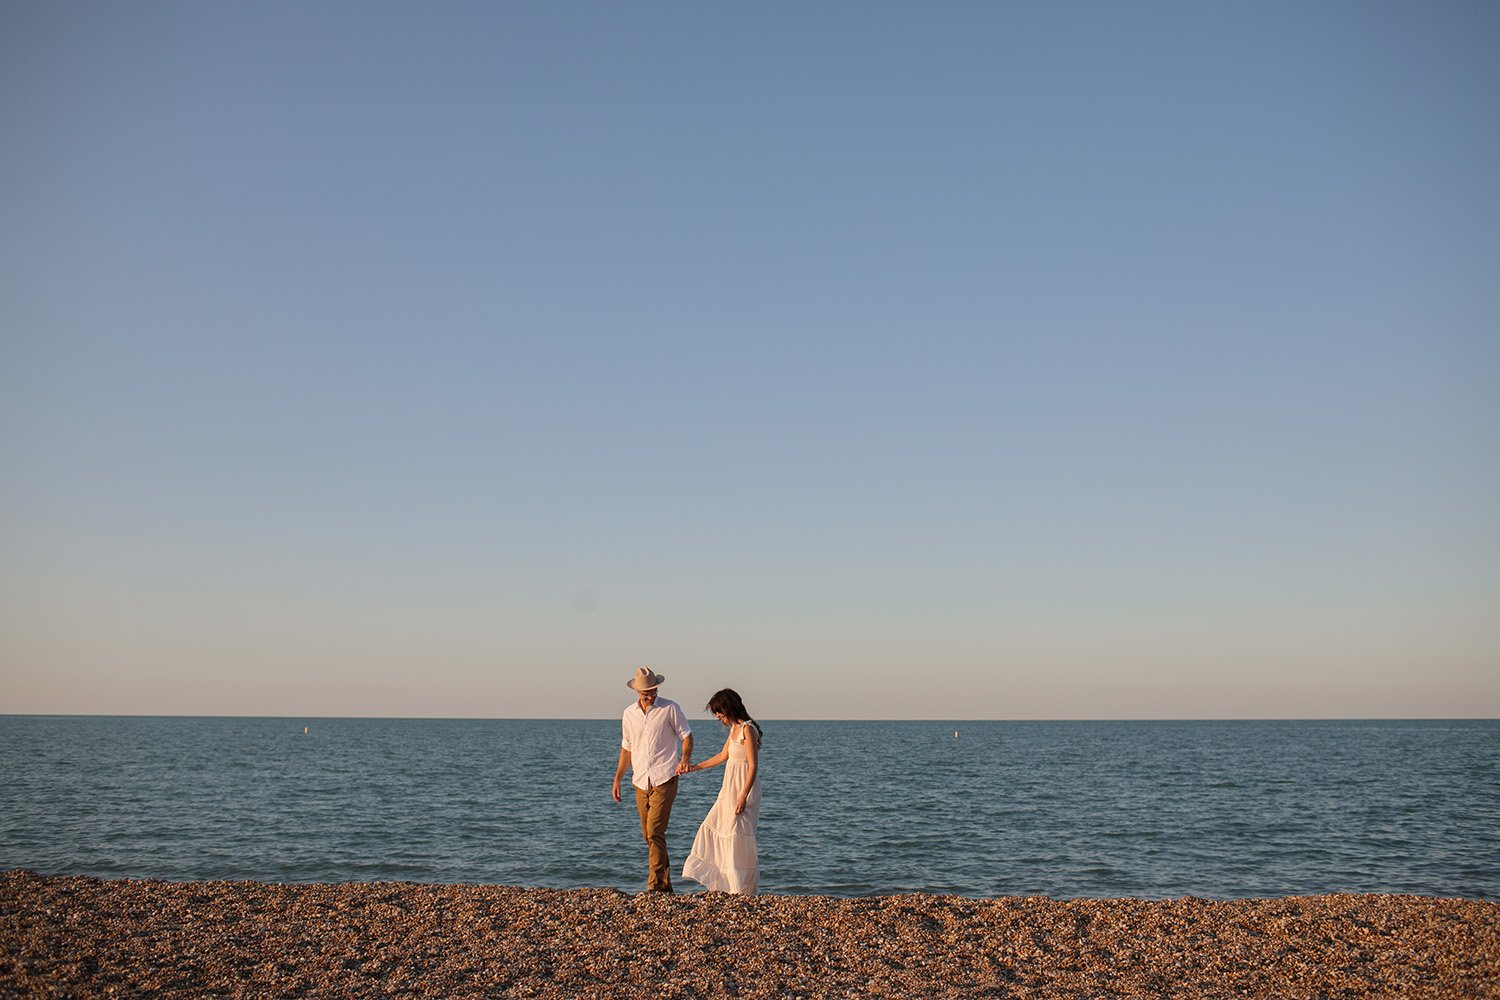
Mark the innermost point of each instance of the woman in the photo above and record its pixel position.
(723, 857)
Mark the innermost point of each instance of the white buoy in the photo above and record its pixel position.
(955, 734)
(304, 731)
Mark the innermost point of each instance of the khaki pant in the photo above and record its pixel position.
(655, 807)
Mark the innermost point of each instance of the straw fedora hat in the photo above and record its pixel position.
(644, 680)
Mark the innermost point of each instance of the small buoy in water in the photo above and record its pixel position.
(304, 731)
(955, 734)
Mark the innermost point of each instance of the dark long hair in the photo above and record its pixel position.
(727, 703)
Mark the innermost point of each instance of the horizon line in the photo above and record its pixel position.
(948, 720)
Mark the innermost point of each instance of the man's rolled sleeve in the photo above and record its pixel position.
(680, 723)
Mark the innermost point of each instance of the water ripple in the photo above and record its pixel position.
(1155, 809)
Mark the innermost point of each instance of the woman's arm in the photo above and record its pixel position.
(752, 754)
(713, 761)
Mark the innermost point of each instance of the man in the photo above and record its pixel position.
(649, 733)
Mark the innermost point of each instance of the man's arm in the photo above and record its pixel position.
(620, 772)
(680, 724)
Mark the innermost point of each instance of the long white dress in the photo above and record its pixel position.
(723, 857)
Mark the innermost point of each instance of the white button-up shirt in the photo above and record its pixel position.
(654, 740)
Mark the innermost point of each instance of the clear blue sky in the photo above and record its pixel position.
(949, 360)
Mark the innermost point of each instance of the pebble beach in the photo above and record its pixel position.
(78, 936)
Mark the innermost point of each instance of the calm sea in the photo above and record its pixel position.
(1063, 809)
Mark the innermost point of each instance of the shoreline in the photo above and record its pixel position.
(80, 935)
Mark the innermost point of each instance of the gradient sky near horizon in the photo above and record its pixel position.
(925, 360)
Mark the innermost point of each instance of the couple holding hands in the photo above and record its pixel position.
(723, 857)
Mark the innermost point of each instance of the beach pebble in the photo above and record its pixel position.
(80, 936)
